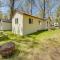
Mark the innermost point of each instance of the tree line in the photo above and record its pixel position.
(44, 7)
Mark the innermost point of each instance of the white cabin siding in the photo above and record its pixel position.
(18, 28)
(23, 27)
(5, 26)
(35, 26)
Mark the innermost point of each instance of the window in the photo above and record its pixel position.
(39, 22)
(30, 21)
(16, 21)
(0, 20)
(47, 23)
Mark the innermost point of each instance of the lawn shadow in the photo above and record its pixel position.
(38, 32)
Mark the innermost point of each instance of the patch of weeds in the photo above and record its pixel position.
(4, 37)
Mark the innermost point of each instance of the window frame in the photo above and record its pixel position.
(39, 22)
(16, 20)
(30, 21)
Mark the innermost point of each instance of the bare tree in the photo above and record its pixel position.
(12, 8)
(58, 15)
(49, 8)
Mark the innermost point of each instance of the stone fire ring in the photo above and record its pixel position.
(7, 49)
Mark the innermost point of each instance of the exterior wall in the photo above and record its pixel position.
(43, 25)
(34, 27)
(17, 28)
(23, 27)
(0, 26)
(5, 26)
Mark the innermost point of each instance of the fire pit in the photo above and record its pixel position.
(7, 49)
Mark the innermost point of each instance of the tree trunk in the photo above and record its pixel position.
(12, 8)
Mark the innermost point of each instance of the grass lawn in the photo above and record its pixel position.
(42, 45)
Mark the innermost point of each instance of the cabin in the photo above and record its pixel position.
(24, 24)
(5, 24)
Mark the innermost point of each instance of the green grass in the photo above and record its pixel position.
(42, 45)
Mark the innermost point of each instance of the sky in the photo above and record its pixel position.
(35, 10)
(4, 9)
